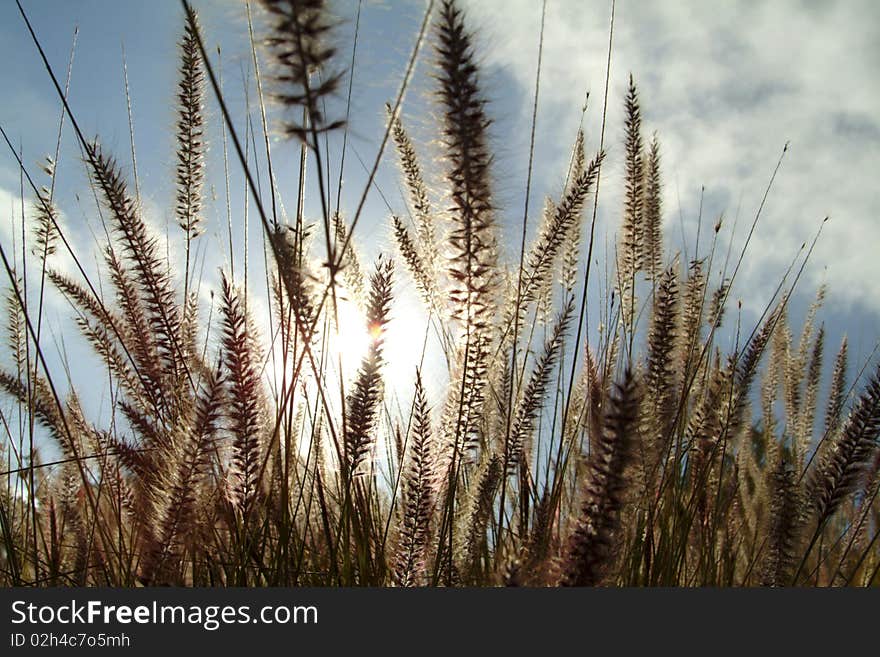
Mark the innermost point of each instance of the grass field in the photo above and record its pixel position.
(575, 441)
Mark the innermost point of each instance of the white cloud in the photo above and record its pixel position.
(11, 236)
(725, 85)
(10, 226)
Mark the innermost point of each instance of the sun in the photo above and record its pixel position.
(352, 336)
(406, 340)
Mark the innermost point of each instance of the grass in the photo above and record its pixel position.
(239, 453)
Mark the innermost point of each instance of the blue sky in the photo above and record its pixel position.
(725, 85)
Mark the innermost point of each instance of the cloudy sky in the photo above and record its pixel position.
(724, 85)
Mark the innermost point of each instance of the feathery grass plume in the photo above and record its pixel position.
(83, 301)
(704, 427)
(137, 333)
(419, 482)
(534, 567)
(102, 329)
(797, 370)
(783, 527)
(298, 41)
(175, 496)
(572, 245)
(501, 394)
(751, 489)
(715, 313)
(463, 412)
(480, 513)
(195, 476)
(120, 494)
(362, 405)
(124, 341)
(16, 329)
(772, 379)
(578, 160)
(661, 378)
(806, 419)
(45, 233)
(783, 360)
(591, 542)
(352, 274)
(609, 365)
(472, 240)
(90, 436)
(153, 433)
(632, 228)
(190, 138)
(189, 329)
(418, 194)
(104, 344)
(295, 280)
(866, 514)
(841, 470)
(245, 404)
(418, 268)
(40, 402)
(806, 339)
(595, 395)
(570, 256)
(153, 281)
(542, 287)
(653, 210)
(552, 234)
(74, 525)
(692, 310)
(536, 390)
(746, 369)
(133, 458)
(837, 391)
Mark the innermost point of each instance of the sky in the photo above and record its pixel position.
(724, 85)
